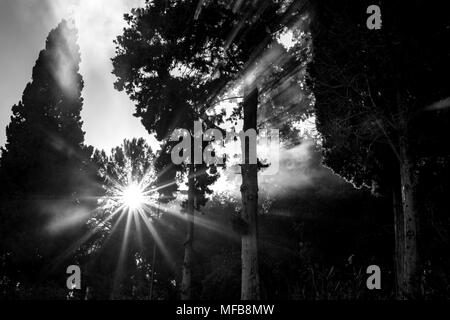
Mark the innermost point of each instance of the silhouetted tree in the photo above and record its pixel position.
(44, 158)
(372, 91)
(124, 236)
(166, 96)
(192, 62)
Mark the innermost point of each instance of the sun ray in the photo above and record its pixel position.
(123, 250)
(137, 224)
(203, 223)
(83, 239)
(157, 238)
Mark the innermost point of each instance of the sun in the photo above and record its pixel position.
(133, 197)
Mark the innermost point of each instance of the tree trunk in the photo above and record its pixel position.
(408, 177)
(399, 241)
(250, 289)
(187, 263)
(152, 278)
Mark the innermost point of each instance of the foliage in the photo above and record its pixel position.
(358, 103)
(43, 164)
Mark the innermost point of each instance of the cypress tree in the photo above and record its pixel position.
(42, 162)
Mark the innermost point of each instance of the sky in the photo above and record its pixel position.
(107, 114)
(24, 26)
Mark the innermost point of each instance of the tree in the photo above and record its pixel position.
(127, 217)
(167, 97)
(183, 67)
(43, 161)
(372, 89)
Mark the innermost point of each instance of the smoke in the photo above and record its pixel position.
(299, 167)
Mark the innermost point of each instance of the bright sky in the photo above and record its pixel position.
(24, 26)
(107, 114)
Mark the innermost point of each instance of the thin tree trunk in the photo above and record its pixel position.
(88, 293)
(187, 263)
(399, 241)
(411, 266)
(250, 289)
(411, 269)
(152, 278)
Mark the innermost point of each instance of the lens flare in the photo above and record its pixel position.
(133, 197)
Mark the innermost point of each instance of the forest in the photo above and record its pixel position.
(356, 173)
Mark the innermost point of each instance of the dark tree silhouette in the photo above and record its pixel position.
(373, 89)
(165, 100)
(44, 158)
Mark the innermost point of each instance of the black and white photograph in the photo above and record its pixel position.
(219, 158)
